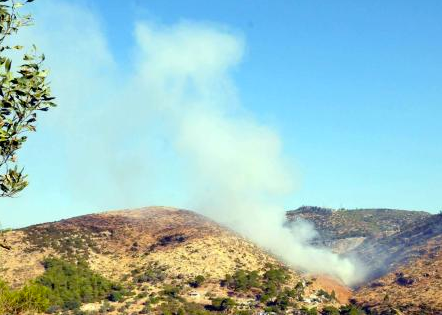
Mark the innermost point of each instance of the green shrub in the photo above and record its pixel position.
(141, 295)
(153, 274)
(350, 310)
(31, 298)
(326, 295)
(222, 304)
(71, 284)
(195, 309)
(171, 291)
(115, 296)
(170, 308)
(242, 280)
(330, 310)
(310, 311)
(277, 275)
(106, 307)
(197, 282)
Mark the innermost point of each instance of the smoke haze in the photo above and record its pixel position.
(237, 172)
(171, 119)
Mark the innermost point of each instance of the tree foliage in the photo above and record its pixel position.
(31, 298)
(197, 282)
(24, 91)
(222, 304)
(242, 280)
(71, 284)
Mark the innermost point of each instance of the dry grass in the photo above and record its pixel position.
(415, 288)
(116, 243)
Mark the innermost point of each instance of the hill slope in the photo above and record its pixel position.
(413, 288)
(344, 230)
(402, 249)
(150, 248)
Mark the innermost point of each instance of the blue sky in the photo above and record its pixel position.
(353, 89)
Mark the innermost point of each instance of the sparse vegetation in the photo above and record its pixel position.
(350, 310)
(330, 310)
(345, 223)
(222, 304)
(197, 282)
(68, 243)
(242, 280)
(171, 291)
(152, 274)
(159, 286)
(327, 296)
(270, 288)
(309, 311)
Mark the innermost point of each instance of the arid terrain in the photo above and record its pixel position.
(156, 253)
(150, 248)
(401, 249)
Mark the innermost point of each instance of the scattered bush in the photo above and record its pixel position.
(242, 280)
(197, 282)
(153, 275)
(330, 310)
(116, 296)
(222, 304)
(328, 296)
(171, 291)
(309, 311)
(350, 310)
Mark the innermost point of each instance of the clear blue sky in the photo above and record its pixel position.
(353, 87)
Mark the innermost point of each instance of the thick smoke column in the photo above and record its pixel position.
(236, 170)
(179, 89)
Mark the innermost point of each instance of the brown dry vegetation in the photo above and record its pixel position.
(403, 250)
(415, 288)
(121, 244)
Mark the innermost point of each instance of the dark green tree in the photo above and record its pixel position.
(71, 284)
(197, 282)
(222, 304)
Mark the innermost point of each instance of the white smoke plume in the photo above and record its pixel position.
(179, 87)
(237, 172)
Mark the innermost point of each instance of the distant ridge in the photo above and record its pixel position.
(344, 223)
(402, 250)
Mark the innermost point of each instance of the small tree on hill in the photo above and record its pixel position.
(197, 282)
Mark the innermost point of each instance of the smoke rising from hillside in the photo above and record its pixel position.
(179, 88)
(237, 172)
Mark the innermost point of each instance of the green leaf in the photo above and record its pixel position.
(8, 65)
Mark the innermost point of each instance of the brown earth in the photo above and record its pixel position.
(402, 249)
(415, 288)
(180, 242)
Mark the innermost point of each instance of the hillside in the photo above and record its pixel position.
(335, 225)
(151, 250)
(413, 288)
(401, 249)
(414, 241)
